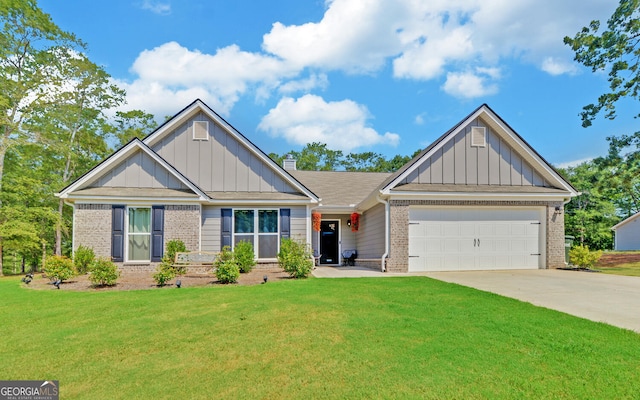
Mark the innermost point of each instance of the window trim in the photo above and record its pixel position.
(256, 230)
(127, 234)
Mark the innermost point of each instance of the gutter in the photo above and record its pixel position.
(387, 218)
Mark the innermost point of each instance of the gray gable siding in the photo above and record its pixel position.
(457, 162)
(139, 171)
(220, 164)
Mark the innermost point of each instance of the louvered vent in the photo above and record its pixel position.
(478, 136)
(200, 130)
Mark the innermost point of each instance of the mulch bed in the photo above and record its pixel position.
(615, 259)
(144, 280)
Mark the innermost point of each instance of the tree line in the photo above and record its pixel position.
(54, 126)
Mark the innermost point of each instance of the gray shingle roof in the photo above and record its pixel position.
(340, 188)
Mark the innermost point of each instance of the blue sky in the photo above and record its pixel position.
(388, 76)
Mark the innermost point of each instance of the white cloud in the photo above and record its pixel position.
(554, 66)
(574, 163)
(419, 40)
(353, 35)
(419, 119)
(469, 85)
(341, 125)
(169, 73)
(315, 81)
(156, 7)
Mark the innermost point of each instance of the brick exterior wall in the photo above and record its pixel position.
(92, 228)
(398, 260)
(555, 235)
(183, 222)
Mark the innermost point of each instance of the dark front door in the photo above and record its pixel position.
(329, 242)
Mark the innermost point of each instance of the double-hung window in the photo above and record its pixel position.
(139, 234)
(258, 227)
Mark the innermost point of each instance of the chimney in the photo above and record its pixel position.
(289, 163)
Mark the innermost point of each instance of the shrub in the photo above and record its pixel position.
(59, 267)
(582, 257)
(82, 259)
(295, 258)
(244, 256)
(163, 274)
(103, 272)
(227, 270)
(166, 270)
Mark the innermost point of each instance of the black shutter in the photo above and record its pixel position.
(157, 233)
(117, 233)
(285, 223)
(225, 227)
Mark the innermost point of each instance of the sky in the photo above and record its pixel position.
(387, 76)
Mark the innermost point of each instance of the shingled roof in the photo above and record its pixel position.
(340, 188)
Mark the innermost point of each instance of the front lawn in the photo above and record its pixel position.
(360, 338)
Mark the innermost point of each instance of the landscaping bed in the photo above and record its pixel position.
(144, 280)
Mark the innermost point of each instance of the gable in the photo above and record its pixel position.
(219, 163)
(218, 158)
(133, 167)
(465, 159)
(139, 170)
(502, 160)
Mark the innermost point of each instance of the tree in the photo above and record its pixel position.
(73, 127)
(31, 48)
(590, 216)
(616, 49)
(132, 124)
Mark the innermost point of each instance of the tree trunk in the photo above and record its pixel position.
(59, 228)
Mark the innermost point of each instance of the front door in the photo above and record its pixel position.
(329, 239)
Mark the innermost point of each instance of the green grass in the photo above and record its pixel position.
(362, 338)
(629, 269)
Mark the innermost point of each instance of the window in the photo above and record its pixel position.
(258, 227)
(139, 234)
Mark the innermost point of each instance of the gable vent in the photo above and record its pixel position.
(478, 136)
(200, 130)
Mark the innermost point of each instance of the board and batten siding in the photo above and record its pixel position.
(210, 239)
(459, 163)
(219, 164)
(371, 236)
(140, 171)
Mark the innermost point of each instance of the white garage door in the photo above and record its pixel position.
(451, 239)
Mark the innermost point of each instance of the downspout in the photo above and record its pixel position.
(387, 218)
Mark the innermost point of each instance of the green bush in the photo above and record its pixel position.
(59, 267)
(295, 258)
(82, 259)
(244, 256)
(103, 272)
(226, 267)
(582, 257)
(163, 275)
(166, 270)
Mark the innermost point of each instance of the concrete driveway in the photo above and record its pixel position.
(612, 299)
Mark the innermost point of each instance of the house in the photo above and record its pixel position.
(479, 197)
(627, 234)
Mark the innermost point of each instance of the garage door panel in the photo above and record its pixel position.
(487, 239)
